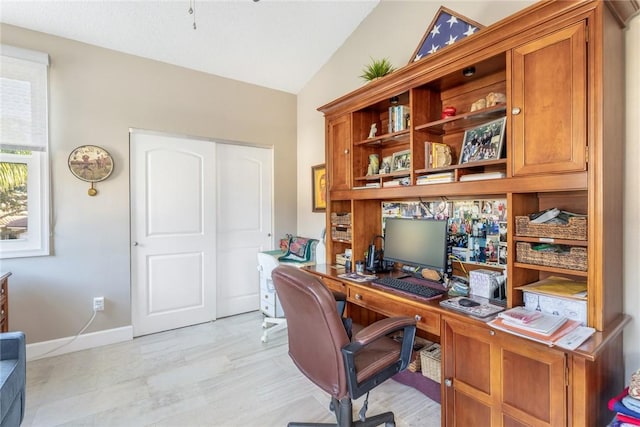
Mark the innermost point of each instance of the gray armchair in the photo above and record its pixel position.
(13, 376)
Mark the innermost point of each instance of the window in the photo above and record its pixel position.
(24, 157)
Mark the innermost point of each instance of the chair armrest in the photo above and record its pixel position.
(369, 335)
(12, 346)
(381, 328)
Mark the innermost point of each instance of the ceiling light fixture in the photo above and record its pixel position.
(192, 11)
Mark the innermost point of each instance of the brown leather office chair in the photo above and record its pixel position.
(321, 349)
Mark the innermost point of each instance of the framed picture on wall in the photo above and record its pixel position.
(483, 142)
(319, 188)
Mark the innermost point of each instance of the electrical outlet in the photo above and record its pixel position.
(98, 303)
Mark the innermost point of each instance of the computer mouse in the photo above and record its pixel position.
(466, 302)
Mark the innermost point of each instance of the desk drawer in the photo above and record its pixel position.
(426, 320)
(335, 285)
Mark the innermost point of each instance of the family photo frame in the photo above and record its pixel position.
(483, 142)
(401, 161)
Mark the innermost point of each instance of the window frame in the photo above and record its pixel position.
(36, 157)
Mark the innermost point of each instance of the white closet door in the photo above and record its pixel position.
(244, 224)
(173, 232)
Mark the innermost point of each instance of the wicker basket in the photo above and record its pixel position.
(341, 233)
(575, 259)
(576, 229)
(341, 218)
(430, 361)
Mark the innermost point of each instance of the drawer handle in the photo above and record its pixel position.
(515, 111)
(358, 296)
(417, 317)
(346, 151)
(448, 382)
(492, 332)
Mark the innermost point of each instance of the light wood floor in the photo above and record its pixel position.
(214, 374)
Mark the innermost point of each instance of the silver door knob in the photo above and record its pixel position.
(417, 317)
(515, 111)
(135, 243)
(448, 382)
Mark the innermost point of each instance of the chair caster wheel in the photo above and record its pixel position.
(391, 424)
(264, 325)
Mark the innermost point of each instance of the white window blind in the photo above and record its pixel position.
(23, 106)
(24, 158)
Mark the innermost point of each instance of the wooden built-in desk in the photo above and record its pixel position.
(494, 375)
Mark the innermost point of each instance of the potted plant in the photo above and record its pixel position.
(376, 69)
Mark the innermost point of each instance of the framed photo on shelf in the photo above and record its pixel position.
(401, 161)
(319, 188)
(483, 142)
(446, 28)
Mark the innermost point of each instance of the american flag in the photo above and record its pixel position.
(446, 30)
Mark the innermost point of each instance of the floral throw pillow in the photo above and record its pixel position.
(301, 249)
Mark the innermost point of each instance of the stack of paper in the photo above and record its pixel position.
(545, 328)
(534, 321)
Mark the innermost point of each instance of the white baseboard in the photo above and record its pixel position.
(60, 346)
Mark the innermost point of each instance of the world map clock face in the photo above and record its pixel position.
(90, 163)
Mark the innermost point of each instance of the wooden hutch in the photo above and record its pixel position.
(561, 66)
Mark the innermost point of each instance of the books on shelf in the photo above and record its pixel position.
(397, 182)
(435, 178)
(481, 176)
(368, 185)
(398, 118)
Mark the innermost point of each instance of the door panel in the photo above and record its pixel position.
(172, 232)
(551, 97)
(244, 196)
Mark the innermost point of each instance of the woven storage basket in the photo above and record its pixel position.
(340, 233)
(575, 259)
(341, 218)
(430, 361)
(576, 229)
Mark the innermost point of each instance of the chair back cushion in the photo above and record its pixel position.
(316, 332)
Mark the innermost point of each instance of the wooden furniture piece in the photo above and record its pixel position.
(4, 302)
(560, 65)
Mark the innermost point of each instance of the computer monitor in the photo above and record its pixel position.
(419, 243)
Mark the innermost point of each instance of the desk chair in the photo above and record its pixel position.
(321, 349)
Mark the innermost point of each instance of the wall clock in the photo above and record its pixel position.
(92, 164)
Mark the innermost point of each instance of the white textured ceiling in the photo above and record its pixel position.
(277, 44)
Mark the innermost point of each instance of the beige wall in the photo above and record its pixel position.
(393, 30)
(96, 95)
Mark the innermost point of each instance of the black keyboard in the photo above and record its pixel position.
(409, 287)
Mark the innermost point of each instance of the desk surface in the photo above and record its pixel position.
(590, 350)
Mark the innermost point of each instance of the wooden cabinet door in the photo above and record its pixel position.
(549, 103)
(470, 371)
(495, 379)
(339, 152)
(533, 384)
